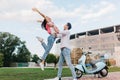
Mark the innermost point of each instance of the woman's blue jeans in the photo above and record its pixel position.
(48, 47)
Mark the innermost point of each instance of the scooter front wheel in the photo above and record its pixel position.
(79, 73)
(104, 72)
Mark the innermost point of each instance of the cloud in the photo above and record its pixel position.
(105, 9)
(21, 10)
(23, 15)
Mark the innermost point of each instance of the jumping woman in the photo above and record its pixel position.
(52, 30)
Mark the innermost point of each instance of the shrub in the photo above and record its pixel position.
(1, 59)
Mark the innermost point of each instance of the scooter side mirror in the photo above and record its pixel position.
(84, 53)
(89, 52)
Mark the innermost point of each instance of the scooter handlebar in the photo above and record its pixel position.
(87, 53)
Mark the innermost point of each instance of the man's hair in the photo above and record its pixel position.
(69, 26)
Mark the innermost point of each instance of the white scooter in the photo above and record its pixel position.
(101, 68)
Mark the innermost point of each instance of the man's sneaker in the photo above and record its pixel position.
(57, 78)
(40, 39)
(42, 66)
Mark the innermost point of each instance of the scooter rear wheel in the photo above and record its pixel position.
(104, 72)
(79, 73)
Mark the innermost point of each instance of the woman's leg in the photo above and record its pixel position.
(44, 45)
(48, 47)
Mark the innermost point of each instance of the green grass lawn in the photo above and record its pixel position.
(35, 73)
(29, 73)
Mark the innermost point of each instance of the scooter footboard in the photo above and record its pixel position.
(79, 67)
(100, 65)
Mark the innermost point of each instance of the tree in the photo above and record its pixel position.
(24, 54)
(51, 58)
(35, 58)
(11, 46)
(1, 59)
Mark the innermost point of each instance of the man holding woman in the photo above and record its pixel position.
(65, 45)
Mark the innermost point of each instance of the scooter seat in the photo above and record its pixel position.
(95, 61)
(91, 67)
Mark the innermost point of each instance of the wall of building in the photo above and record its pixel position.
(117, 55)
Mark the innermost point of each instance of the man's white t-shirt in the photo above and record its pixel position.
(65, 38)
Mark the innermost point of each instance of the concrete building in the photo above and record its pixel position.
(104, 40)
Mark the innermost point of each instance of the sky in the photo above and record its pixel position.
(17, 17)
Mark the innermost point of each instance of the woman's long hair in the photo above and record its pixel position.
(43, 25)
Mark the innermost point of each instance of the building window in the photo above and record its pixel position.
(72, 36)
(107, 30)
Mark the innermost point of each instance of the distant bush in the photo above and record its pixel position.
(1, 60)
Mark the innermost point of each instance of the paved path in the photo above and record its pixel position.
(111, 76)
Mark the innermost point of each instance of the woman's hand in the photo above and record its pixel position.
(35, 9)
(39, 21)
(56, 29)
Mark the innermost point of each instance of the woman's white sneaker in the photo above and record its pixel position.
(40, 39)
(42, 66)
